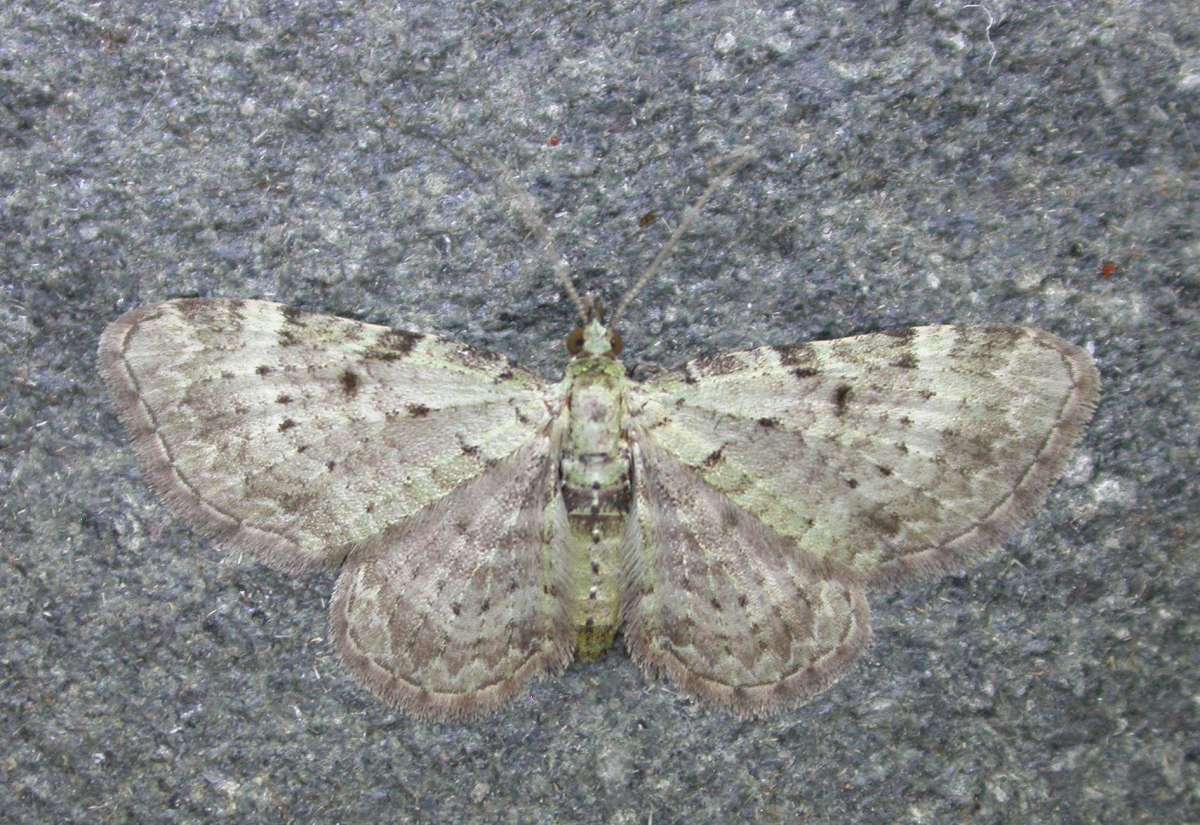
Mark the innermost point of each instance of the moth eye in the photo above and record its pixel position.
(575, 341)
(614, 341)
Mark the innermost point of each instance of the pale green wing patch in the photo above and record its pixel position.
(293, 436)
(880, 456)
(454, 611)
(722, 604)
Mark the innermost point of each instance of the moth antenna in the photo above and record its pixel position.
(523, 203)
(529, 213)
(739, 158)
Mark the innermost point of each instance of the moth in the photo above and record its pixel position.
(728, 517)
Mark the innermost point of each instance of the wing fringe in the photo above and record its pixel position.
(1027, 497)
(157, 464)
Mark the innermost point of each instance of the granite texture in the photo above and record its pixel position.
(920, 162)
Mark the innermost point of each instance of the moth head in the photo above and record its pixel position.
(594, 339)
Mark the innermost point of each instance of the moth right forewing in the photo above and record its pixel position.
(886, 455)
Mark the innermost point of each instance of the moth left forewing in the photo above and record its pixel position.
(886, 455)
(291, 435)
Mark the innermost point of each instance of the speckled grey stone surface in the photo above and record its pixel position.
(916, 166)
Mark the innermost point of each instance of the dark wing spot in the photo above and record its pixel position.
(800, 355)
(293, 502)
(662, 422)
(841, 398)
(885, 522)
(478, 358)
(418, 410)
(976, 446)
(349, 381)
(393, 345)
(286, 425)
(719, 365)
(192, 307)
(1005, 336)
